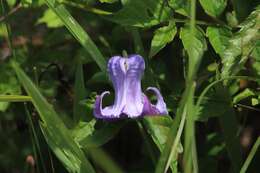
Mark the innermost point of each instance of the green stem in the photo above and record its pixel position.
(250, 156)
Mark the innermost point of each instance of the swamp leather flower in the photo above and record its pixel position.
(130, 101)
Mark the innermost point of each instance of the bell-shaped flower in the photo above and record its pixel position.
(130, 101)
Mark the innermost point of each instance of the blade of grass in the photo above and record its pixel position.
(33, 146)
(250, 156)
(57, 135)
(35, 138)
(79, 94)
(15, 98)
(78, 32)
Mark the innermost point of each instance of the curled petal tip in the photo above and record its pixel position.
(98, 105)
(160, 104)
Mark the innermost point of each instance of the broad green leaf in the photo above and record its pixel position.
(180, 6)
(219, 38)
(241, 45)
(194, 44)
(50, 19)
(141, 13)
(78, 32)
(213, 8)
(213, 105)
(161, 37)
(56, 133)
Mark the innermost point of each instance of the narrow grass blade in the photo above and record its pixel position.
(15, 98)
(250, 156)
(56, 134)
(35, 140)
(79, 94)
(77, 31)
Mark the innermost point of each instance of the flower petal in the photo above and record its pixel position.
(104, 113)
(160, 105)
(117, 74)
(134, 97)
(149, 108)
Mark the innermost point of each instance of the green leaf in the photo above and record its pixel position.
(78, 32)
(213, 8)
(141, 13)
(194, 48)
(50, 19)
(161, 37)
(180, 6)
(100, 136)
(214, 105)
(241, 45)
(56, 133)
(219, 38)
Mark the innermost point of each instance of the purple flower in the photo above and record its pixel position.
(130, 101)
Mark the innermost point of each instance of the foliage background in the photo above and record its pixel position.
(53, 64)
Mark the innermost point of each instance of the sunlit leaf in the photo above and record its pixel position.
(213, 8)
(180, 6)
(194, 44)
(219, 38)
(241, 45)
(162, 36)
(50, 19)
